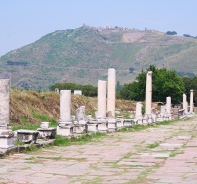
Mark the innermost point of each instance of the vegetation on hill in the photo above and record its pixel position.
(87, 90)
(191, 83)
(83, 56)
(164, 83)
(33, 107)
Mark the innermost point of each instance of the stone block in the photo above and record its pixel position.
(92, 127)
(27, 136)
(6, 139)
(66, 130)
(47, 133)
(103, 127)
(128, 122)
(80, 129)
(112, 125)
(44, 125)
(120, 122)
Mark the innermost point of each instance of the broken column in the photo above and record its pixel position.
(185, 103)
(111, 96)
(191, 101)
(168, 108)
(4, 102)
(101, 113)
(138, 113)
(80, 123)
(65, 127)
(6, 135)
(148, 112)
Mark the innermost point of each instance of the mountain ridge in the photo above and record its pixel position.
(84, 54)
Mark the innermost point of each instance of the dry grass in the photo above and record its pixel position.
(24, 104)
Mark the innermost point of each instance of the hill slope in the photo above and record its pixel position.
(83, 55)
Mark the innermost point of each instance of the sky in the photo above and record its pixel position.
(24, 21)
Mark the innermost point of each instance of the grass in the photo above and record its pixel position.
(141, 177)
(30, 126)
(53, 122)
(154, 145)
(176, 152)
(135, 128)
(18, 143)
(64, 141)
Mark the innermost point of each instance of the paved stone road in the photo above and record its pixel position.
(134, 157)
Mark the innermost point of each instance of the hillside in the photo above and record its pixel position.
(32, 107)
(83, 56)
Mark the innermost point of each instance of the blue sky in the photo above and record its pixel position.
(25, 21)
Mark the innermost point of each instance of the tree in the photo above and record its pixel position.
(190, 83)
(164, 83)
(171, 33)
(87, 90)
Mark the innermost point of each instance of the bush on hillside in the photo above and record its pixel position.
(171, 33)
(87, 90)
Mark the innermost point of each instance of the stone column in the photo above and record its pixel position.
(148, 93)
(4, 102)
(191, 100)
(185, 103)
(101, 99)
(138, 113)
(168, 105)
(65, 106)
(111, 91)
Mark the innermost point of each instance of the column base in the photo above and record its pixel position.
(47, 133)
(120, 122)
(66, 130)
(92, 127)
(6, 139)
(112, 125)
(27, 136)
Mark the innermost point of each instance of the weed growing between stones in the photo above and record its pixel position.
(135, 128)
(18, 143)
(154, 145)
(176, 152)
(63, 141)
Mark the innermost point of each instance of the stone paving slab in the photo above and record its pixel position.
(122, 157)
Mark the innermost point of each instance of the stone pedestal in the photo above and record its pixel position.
(27, 136)
(66, 130)
(79, 129)
(120, 122)
(6, 139)
(47, 133)
(92, 126)
(102, 125)
(111, 91)
(112, 125)
(128, 122)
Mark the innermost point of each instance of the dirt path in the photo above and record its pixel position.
(164, 154)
